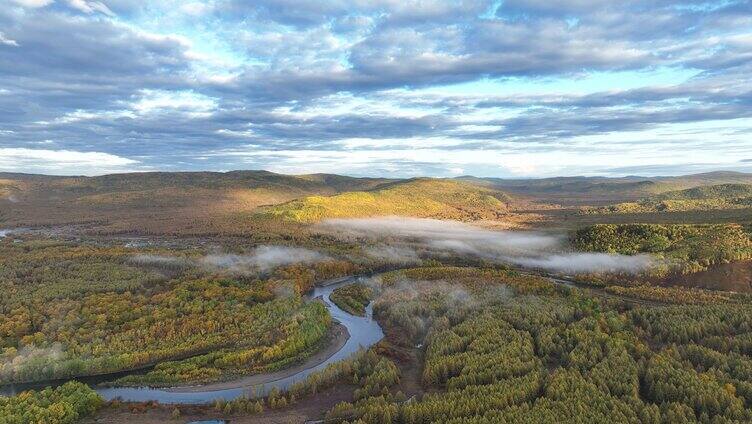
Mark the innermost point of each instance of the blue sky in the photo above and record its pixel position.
(513, 88)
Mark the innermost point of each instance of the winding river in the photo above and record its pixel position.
(364, 332)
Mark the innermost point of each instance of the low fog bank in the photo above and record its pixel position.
(524, 248)
(160, 261)
(393, 254)
(449, 235)
(262, 258)
(588, 262)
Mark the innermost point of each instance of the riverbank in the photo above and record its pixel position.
(361, 332)
(309, 408)
(336, 340)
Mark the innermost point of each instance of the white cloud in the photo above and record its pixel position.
(62, 162)
(240, 134)
(399, 88)
(195, 8)
(157, 100)
(150, 102)
(33, 3)
(88, 6)
(7, 41)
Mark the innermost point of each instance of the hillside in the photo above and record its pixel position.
(728, 192)
(158, 202)
(233, 203)
(603, 190)
(422, 197)
(714, 197)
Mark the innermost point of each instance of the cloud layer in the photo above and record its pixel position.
(520, 87)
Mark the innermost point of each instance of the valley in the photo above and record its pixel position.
(259, 297)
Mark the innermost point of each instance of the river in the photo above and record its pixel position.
(364, 332)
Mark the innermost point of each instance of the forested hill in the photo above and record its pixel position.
(231, 202)
(421, 197)
(162, 200)
(142, 181)
(722, 196)
(603, 190)
(720, 191)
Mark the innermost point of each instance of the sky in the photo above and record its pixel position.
(398, 88)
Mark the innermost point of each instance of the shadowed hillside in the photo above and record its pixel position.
(423, 197)
(158, 202)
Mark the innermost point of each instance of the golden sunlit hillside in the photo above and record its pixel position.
(423, 197)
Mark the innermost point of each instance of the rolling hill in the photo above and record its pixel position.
(421, 197)
(714, 197)
(246, 203)
(601, 191)
(158, 202)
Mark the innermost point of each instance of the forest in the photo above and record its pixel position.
(560, 357)
(499, 348)
(353, 298)
(66, 404)
(685, 248)
(80, 310)
(704, 198)
(468, 337)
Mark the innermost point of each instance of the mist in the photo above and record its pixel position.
(588, 262)
(160, 261)
(263, 258)
(13, 362)
(524, 248)
(447, 235)
(393, 254)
